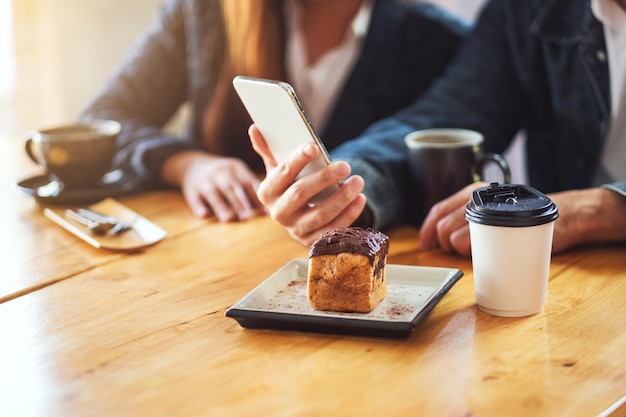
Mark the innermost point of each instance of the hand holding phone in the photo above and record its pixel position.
(276, 110)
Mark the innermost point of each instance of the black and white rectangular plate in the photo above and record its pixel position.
(280, 302)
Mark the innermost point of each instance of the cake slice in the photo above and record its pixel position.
(347, 270)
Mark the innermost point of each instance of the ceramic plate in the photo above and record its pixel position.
(280, 302)
(48, 191)
(143, 232)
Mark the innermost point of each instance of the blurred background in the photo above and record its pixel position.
(55, 54)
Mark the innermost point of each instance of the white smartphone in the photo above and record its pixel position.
(276, 110)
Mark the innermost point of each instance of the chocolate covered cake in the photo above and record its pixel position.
(347, 270)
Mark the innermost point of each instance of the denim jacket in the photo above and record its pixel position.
(534, 65)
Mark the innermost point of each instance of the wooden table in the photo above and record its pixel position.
(87, 332)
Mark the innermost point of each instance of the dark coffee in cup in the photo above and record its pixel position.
(77, 155)
(443, 161)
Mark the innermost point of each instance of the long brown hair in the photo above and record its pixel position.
(255, 37)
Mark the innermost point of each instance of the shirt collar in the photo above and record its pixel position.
(358, 27)
(361, 21)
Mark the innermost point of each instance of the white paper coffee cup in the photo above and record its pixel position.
(511, 228)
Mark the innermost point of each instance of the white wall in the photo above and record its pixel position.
(63, 51)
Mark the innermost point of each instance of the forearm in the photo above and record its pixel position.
(595, 215)
(607, 222)
(613, 223)
(176, 166)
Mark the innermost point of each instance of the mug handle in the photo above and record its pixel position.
(28, 147)
(483, 158)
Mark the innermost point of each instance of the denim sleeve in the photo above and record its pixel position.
(481, 69)
(381, 200)
(379, 156)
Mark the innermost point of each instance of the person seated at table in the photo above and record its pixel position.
(554, 69)
(352, 62)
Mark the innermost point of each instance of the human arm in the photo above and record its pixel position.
(588, 216)
(214, 185)
(173, 65)
(475, 93)
(379, 155)
(145, 92)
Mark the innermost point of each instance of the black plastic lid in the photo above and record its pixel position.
(510, 205)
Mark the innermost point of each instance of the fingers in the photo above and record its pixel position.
(298, 195)
(224, 187)
(278, 180)
(338, 209)
(345, 218)
(238, 199)
(197, 204)
(460, 241)
(316, 221)
(260, 147)
(227, 204)
(231, 198)
(209, 200)
(287, 197)
(282, 190)
(445, 225)
(250, 188)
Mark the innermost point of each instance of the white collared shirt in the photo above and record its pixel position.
(613, 18)
(318, 84)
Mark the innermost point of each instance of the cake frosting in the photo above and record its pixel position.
(366, 242)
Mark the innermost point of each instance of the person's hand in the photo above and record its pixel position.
(214, 185)
(445, 225)
(585, 216)
(286, 197)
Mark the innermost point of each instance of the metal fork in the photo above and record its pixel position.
(94, 226)
(112, 226)
(124, 224)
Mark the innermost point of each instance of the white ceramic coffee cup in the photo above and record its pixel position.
(76, 154)
(511, 228)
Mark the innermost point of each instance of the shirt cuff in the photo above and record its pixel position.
(619, 187)
(148, 160)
